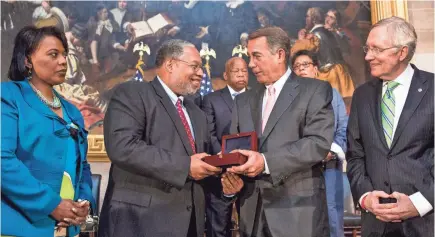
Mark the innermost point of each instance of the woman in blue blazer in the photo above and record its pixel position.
(45, 178)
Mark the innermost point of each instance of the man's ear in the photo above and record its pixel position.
(225, 76)
(169, 64)
(403, 53)
(281, 55)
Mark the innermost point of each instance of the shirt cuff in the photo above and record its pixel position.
(229, 196)
(115, 45)
(422, 205)
(361, 198)
(124, 27)
(266, 168)
(338, 150)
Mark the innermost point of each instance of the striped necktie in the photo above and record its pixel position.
(387, 111)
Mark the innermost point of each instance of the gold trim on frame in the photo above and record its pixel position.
(383, 9)
(379, 10)
(96, 149)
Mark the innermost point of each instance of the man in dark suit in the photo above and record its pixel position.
(390, 135)
(284, 191)
(218, 106)
(155, 139)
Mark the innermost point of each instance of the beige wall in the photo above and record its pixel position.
(421, 15)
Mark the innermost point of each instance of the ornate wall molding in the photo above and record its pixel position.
(96, 149)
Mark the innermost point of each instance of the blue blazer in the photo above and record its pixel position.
(33, 161)
(341, 119)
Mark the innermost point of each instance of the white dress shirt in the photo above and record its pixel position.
(232, 91)
(278, 85)
(400, 94)
(174, 98)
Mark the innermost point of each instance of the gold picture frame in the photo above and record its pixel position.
(379, 10)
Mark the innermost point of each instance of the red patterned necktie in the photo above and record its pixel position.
(185, 125)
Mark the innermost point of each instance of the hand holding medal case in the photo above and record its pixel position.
(244, 141)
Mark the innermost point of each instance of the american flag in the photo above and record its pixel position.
(138, 76)
(139, 71)
(206, 86)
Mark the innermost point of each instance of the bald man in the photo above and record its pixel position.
(218, 108)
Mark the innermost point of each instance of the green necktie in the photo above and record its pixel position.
(387, 111)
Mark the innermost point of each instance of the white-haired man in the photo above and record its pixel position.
(390, 135)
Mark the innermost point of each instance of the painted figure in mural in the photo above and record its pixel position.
(350, 44)
(85, 97)
(103, 45)
(316, 38)
(123, 17)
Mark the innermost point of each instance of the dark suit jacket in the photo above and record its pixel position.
(218, 107)
(406, 167)
(149, 191)
(297, 137)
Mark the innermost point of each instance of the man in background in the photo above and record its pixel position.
(218, 107)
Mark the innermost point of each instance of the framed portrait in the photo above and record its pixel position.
(111, 42)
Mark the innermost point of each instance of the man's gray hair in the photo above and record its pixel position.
(401, 32)
(172, 48)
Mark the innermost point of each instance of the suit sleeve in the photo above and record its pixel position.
(124, 126)
(209, 111)
(425, 187)
(360, 182)
(34, 199)
(315, 143)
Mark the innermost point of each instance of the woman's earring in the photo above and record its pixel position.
(29, 73)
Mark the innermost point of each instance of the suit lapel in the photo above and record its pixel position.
(256, 102)
(226, 96)
(284, 100)
(416, 93)
(376, 109)
(173, 114)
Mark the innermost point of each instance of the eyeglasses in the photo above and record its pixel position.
(302, 65)
(376, 50)
(195, 67)
(239, 70)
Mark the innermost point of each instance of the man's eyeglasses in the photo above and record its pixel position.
(195, 67)
(376, 50)
(302, 65)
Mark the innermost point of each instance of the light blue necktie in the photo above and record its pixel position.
(235, 94)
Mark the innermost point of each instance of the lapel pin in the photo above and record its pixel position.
(419, 89)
